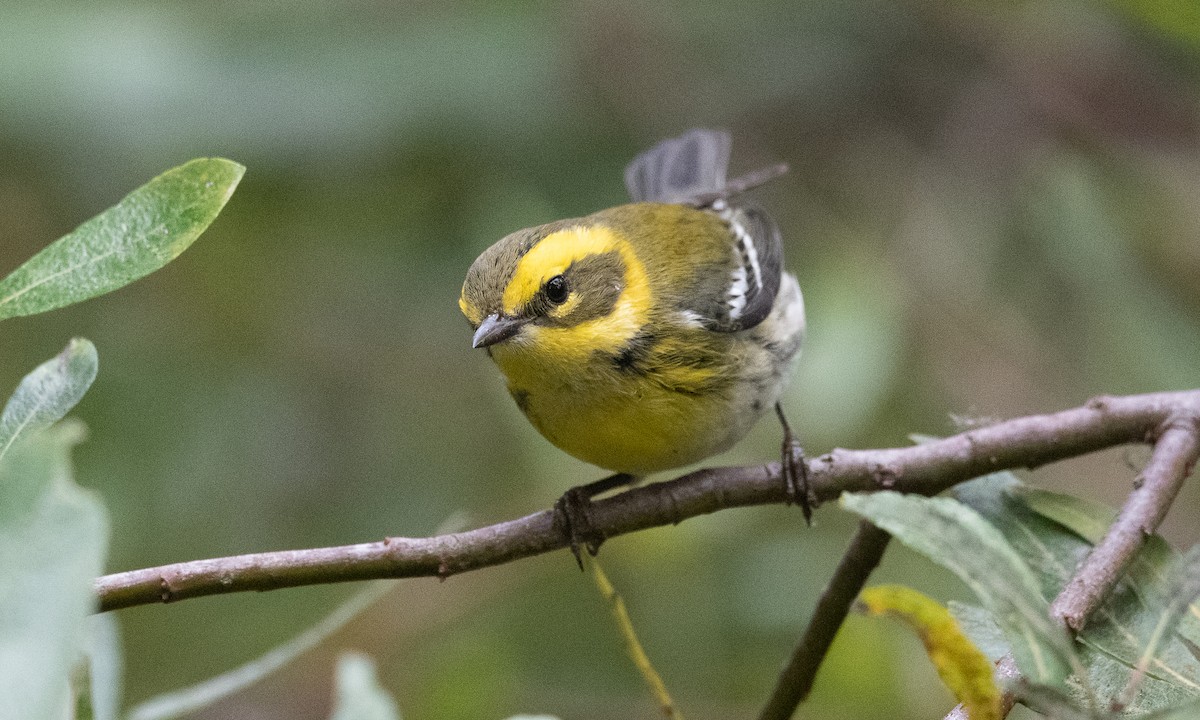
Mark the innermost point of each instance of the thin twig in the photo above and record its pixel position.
(928, 469)
(1176, 450)
(861, 558)
(633, 646)
(1154, 490)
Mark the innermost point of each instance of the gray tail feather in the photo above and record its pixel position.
(681, 169)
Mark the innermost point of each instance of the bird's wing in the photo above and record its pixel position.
(690, 170)
(681, 169)
(757, 266)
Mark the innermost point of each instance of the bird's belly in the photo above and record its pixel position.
(641, 431)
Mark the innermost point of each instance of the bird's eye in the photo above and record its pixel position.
(556, 290)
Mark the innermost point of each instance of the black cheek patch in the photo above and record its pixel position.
(598, 280)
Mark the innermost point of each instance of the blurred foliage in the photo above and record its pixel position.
(991, 209)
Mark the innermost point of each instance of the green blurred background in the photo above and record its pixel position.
(993, 210)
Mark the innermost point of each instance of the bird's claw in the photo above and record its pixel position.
(794, 471)
(573, 517)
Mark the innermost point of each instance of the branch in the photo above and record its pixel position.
(865, 551)
(1176, 451)
(1154, 490)
(926, 469)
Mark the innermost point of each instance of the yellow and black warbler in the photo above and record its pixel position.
(650, 335)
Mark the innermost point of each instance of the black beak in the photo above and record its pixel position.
(495, 328)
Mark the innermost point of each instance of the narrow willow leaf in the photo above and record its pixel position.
(1116, 634)
(48, 393)
(1052, 554)
(51, 548)
(1088, 519)
(201, 695)
(981, 627)
(1185, 588)
(96, 680)
(1054, 703)
(358, 695)
(1125, 621)
(958, 538)
(962, 666)
(1187, 711)
(1192, 647)
(103, 664)
(135, 237)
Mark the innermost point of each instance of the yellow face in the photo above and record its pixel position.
(551, 301)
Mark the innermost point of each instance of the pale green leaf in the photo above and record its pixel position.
(958, 538)
(48, 393)
(1086, 518)
(52, 545)
(981, 627)
(358, 695)
(97, 681)
(1185, 587)
(1053, 703)
(1186, 711)
(137, 236)
(1125, 622)
(1117, 633)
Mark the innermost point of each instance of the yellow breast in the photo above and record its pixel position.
(625, 424)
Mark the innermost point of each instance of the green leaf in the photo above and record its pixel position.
(1184, 589)
(190, 699)
(52, 546)
(979, 625)
(137, 236)
(48, 393)
(1188, 711)
(958, 538)
(1087, 519)
(1053, 703)
(358, 695)
(1052, 542)
(98, 674)
(105, 665)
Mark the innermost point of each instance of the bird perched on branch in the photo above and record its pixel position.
(650, 335)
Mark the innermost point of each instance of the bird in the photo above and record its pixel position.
(650, 335)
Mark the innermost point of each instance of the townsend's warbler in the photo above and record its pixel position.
(649, 335)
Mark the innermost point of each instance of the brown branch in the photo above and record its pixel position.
(861, 558)
(1154, 490)
(927, 469)
(1176, 450)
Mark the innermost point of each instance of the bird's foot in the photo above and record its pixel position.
(794, 470)
(572, 514)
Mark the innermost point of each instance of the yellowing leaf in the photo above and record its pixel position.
(961, 665)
